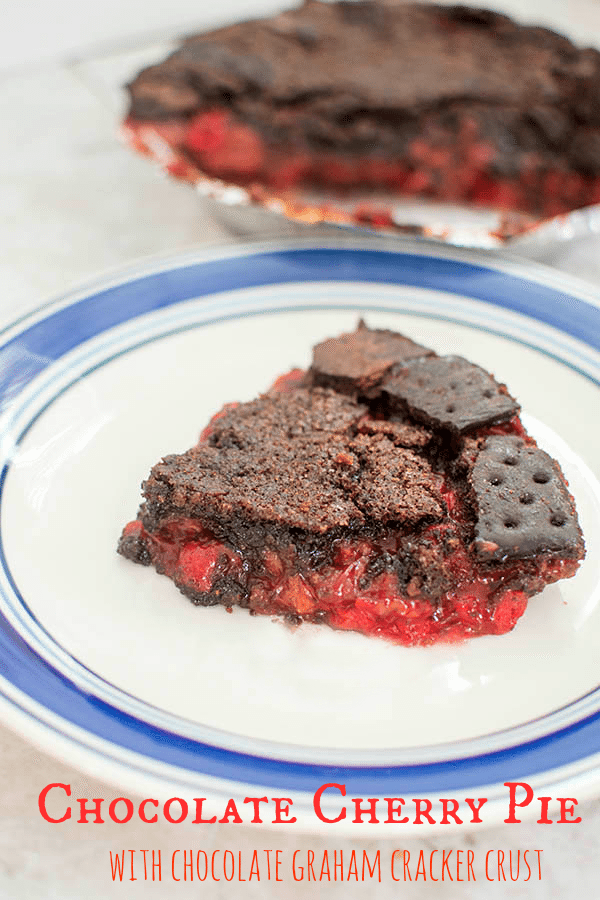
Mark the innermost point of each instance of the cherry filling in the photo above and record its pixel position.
(412, 590)
(450, 166)
(342, 594)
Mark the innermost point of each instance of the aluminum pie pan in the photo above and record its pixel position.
(253, 208)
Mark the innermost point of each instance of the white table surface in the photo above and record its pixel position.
(75, 202)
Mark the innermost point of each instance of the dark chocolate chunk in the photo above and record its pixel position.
(356, 363)
(523, 505)
(449, 392)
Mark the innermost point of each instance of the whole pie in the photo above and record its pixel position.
(387, 490)
(447, 102)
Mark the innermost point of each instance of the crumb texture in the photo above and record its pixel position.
(296, 460)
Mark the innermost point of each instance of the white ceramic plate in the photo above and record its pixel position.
(106, 664)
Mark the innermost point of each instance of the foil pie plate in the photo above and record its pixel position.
(252, 209)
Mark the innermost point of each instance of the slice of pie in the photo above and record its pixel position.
(446, 102)
(387, 490)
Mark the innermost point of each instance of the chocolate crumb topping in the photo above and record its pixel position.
(294, 461)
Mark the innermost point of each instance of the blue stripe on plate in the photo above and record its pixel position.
(23, 357)
(65, 329)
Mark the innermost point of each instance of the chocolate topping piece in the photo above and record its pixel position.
(293, 461)
(523, 505)
(132, 547)
(449, 392)
(355, 363)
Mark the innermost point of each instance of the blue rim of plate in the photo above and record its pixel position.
(35, 690)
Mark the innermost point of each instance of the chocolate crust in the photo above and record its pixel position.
(294, 467)
(417, 69)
